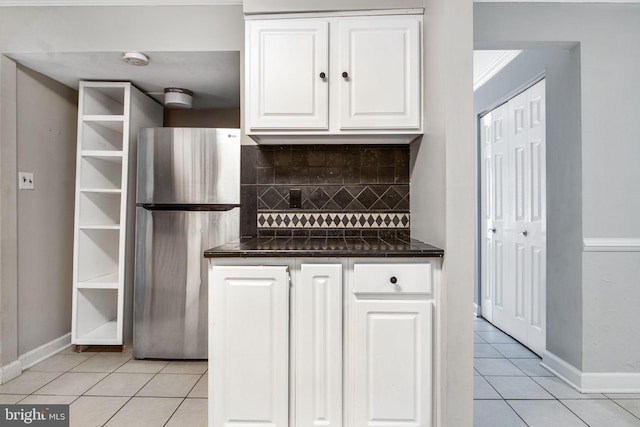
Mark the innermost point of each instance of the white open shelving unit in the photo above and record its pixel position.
(109, 115)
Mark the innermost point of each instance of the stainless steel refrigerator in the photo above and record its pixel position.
(188, 198)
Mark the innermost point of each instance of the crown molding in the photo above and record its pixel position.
(493, 68)
(36, 3)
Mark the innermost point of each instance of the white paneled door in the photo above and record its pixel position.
(513, 233)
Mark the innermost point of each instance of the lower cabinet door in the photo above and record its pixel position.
(249, 346)
(318, 392)
(392, 363)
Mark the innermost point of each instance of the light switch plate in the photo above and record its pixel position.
(25, 181)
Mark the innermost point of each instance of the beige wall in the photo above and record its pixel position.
(280, 6)
(8, 215)
(46, 122)
(216, 118)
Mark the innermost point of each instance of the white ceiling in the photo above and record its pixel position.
(214, 77)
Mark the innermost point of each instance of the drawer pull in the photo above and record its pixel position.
(393, 280)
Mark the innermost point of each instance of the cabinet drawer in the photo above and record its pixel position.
(392, 278)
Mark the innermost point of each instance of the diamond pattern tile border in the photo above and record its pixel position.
(332, 220)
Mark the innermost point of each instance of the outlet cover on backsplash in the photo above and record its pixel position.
(349, 190)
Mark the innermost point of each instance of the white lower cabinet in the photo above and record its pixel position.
(356, 353)
(391, 381)
(249, 346)
(390, 363)
(318, 345)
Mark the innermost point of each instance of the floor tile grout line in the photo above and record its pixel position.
(173, 413)
(116, 412)
(632, 414)
(516, 412)
(573, 412)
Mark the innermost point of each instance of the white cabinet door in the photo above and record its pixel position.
(248, 346)
(286, 61)
(392, 363)
(318, 391)
(379, 73)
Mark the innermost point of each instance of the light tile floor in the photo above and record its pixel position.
(106, 388)
(513, 390)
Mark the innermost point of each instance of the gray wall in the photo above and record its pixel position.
(561, 69)
(608, 37)
(47, 118)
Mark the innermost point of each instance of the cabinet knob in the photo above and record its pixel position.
(524, 233)
(323, 75)
(393, 280)
(345, 75)
(493, 230)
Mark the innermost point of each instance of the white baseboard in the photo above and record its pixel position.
(591, 382)
(10, 371)
(477, 310)
(37, 355)
(563, 370)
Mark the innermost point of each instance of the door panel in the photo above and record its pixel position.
(536, 227)
(499, 180)
(392, 360)
(514, 188)
(318, 389)
(379, 53)
(486, 209)
(249, 346)
(284, 82)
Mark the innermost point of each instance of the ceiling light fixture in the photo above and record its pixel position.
(135, 58)
(176, 97)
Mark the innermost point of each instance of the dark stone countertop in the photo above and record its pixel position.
(324, 247)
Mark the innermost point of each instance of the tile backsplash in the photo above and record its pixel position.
(350, 190)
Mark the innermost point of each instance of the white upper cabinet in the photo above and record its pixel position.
(379, 73)
(344, 75)
(287, 83)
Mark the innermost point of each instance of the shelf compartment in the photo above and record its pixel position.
(99, 208)
(102, 133)
(103, 100)
(98, 253)
(107, 281)
(105, 334)
(96, 316)
(101, 173)
(97, 311)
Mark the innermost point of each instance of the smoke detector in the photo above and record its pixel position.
(135, 58)
(175, 97)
